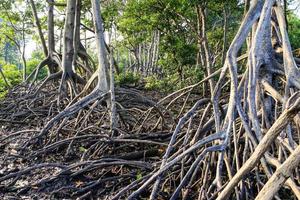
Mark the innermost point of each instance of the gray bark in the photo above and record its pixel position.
(102, 68)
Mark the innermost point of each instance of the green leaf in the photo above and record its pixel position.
(82, 149)
(139, 176)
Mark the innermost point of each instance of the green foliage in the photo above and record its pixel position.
(3, 94)
(82, 149)
(139, 175)
(294, 30)
(166, 84)
(153, 83)
(193, 75)
(128, 78)
(15, 21)
(177, 22)
(172, 82)
(9, 52)
(33, 62)
(12, 75)
(136, 21)
(109, 12)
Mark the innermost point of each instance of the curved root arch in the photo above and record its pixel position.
(249, 114)
(226, 146)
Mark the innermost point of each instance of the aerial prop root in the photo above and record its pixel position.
(67, 112)
(169, 162)
(292, 109)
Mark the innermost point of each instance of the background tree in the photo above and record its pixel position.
(205, 105)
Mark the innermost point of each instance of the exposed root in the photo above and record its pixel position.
(182, 146)
(91, 143)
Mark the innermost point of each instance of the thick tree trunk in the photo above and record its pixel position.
(68, 37)
(76, 39)
(51, 40)
(102, 59)
(102, 88)
(52, 60)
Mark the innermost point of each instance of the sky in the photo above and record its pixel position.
(295, 7)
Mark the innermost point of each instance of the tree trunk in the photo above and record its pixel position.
(204, 44)
(76, 39)
(225, 29)
(24, 63)
(102, 59)
(68, 37)
(51, 40)
(39, 27)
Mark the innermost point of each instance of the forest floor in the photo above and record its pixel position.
(80, 157)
